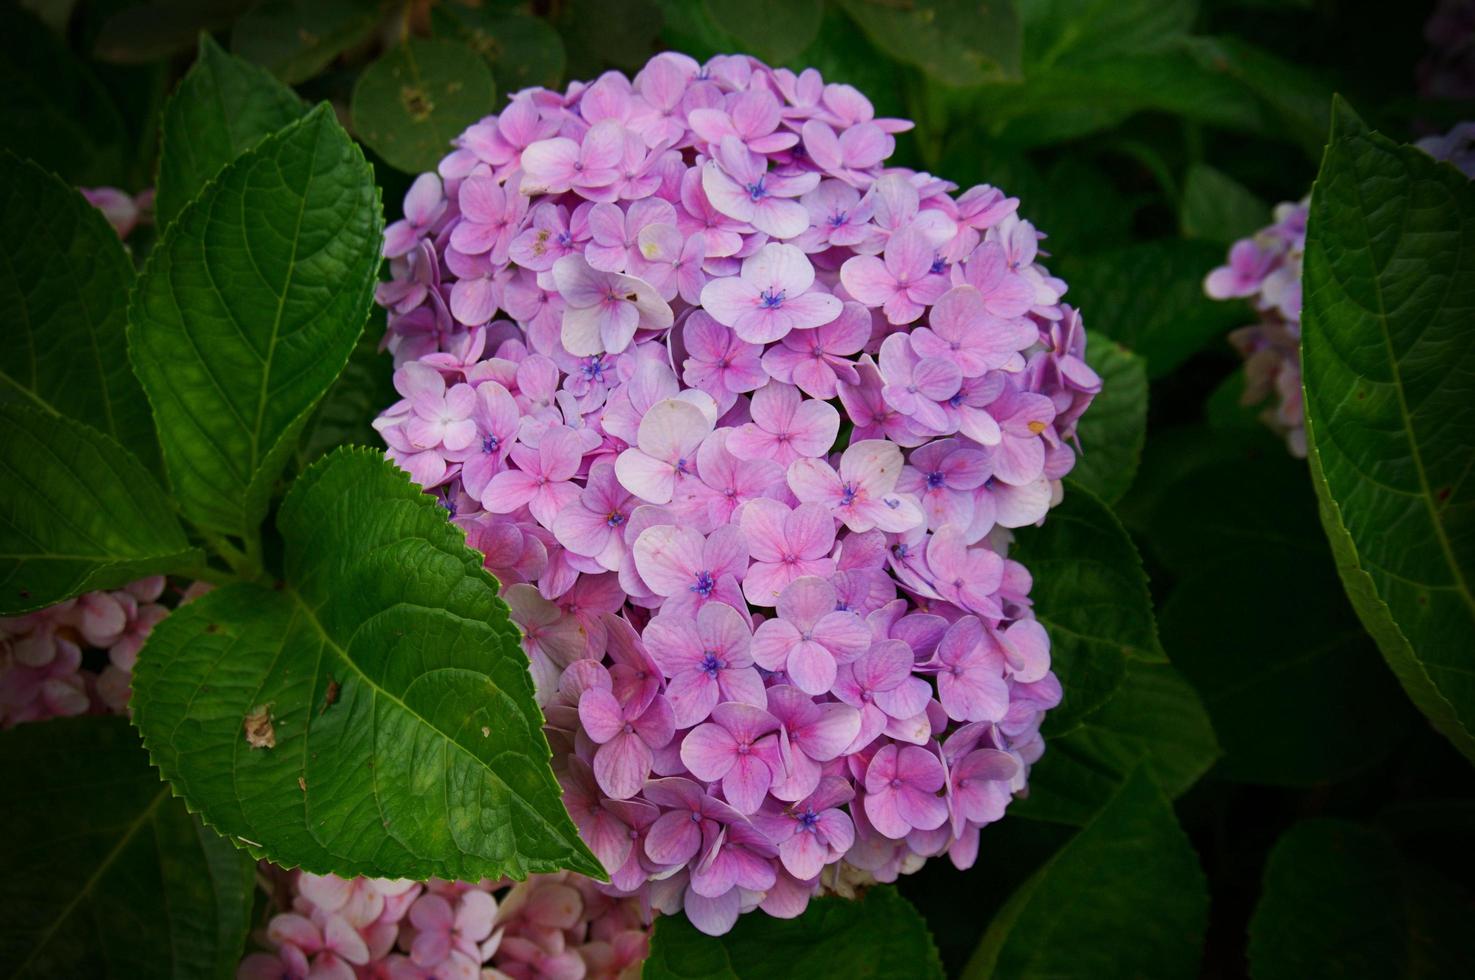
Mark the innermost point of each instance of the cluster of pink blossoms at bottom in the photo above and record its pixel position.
(555, 927)
(743, 420)
(1266, 269)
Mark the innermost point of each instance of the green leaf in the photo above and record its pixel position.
(1150, 297)
(222, 108)
(1296, 100)
(958, 42)
(1339, 901)
(296, 39)
(412, 102)
(1287, 675)
(1086, 31)
(54, 110)
(1154, 719)
(65, 279)
(247, 311)
(1090, 593)
(1125, 897)
(1389, 370)
(773, 30)
(1070, 101)
(102, 872)
(1219, 209)
(392, 727)
(879, 935)
(1258, 624)
(599, 33)
(148, 32)
(1114, 428)
(523, 51)
(80, 513)
(346, 414)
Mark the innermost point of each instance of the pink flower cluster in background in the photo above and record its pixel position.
(42, 674)
(558, 927)
(742, 419)
(1266, 269)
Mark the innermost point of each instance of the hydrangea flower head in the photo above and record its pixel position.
(743, 418)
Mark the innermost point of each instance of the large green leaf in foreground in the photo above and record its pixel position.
(102, 872)
(64, 281)
(222, 108)
(247, 311)
(1123, 898)
(79, 513)
(877, 936)
(373, 714)
(1389, 365)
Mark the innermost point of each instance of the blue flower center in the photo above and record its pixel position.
(956, 400)
(593, 367)
(489, 444)
(808, 820)
(938, 265)
(934, 480)
(565, 239)
(847, 494)
(614, 518)
(710, 665)
(772, 300)
(704, 584)
(839, 218)
(756, 191)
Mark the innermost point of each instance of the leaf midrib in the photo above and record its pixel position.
(342, 654)
(92, 880)
(1405, 419)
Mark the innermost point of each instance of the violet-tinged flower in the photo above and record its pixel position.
(443, 931)
(813, 832)
(838, 218)
(671, 262)
(970, 674)
(963, 575)
(1005, 292)
(737, 747)
(605, 309)
(785, 426)
(676, 836)
(943, 475)
(424, 204)
(738, 183)
(595, 526)
(735, 857)
(690, 570)
(721, 235)
(917, 386)
(720, 362)
(809, 637)
(785, 544)
(615, 232)
(862, 493)
(771, 296)
(978, 786)
(560, 164)
(873, 416)
(1023, 418)
(707, 660)
(902, 283)
(880, 685)
(809, 735)
(750, 118)
(816, 359)
(627, 733)
(551, 639)
(497, 419)
(551, 234)
(541, 481)
(731, 482)
(849, 154)
(665, 454)
(1248, 266)
(961, 327)
(490, 217)
(902, 783)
